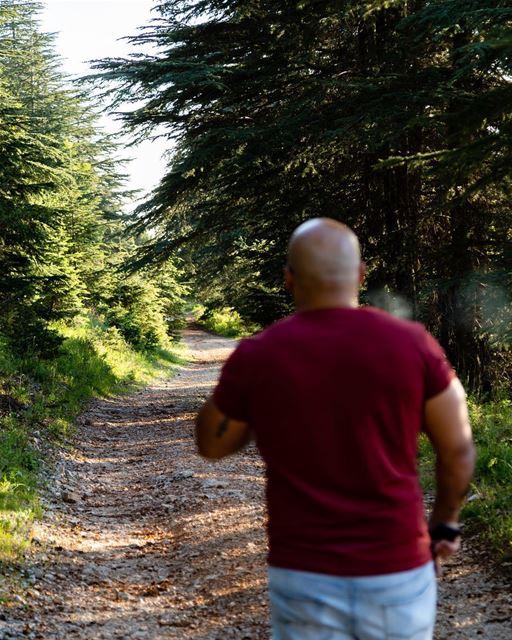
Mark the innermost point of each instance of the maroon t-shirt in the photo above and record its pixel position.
(335, 398)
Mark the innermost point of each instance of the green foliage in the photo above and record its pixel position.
(487, 510)
(489, 505)
(146, 307)
(393, 116)
(226, 322)
(34, 284)
(136, 309)
(18, 502)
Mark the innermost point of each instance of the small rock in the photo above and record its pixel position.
(215, 483)
(70, 497)
(183, 474)
(233, 493)
(173, 622)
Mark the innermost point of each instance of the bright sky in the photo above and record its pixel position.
(91, 29)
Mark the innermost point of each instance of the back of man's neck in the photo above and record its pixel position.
(326, 303)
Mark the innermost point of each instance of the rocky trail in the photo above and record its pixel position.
(143, 540)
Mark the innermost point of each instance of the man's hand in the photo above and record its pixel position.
(442, 550)
(217, 435)
(445, 542)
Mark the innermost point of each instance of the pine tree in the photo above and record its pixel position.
(60, 186)
(23, 226)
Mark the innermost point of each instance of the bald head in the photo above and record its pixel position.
(324, 258)
(324, 265)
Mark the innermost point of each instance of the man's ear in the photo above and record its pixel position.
(362, 272)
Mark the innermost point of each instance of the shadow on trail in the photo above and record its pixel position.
(150, 541)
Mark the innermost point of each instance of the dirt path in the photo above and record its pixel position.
(144, 540)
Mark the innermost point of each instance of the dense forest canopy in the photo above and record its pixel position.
(391, 116)
(62, 229)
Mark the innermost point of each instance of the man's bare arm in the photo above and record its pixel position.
(447, 426)
(217, 435)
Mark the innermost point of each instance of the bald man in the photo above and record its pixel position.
(335, 396)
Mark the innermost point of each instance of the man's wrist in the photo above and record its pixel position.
(445, 531)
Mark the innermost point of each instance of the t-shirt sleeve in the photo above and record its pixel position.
(231, 395)
(438, 371)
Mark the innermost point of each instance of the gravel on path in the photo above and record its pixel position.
(144, 540)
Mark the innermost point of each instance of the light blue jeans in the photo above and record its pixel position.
(314, 606)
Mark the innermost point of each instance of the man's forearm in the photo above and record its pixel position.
(217, 435)
(453, 480)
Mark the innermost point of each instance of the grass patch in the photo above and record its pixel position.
(94, 361)
(18, 498)
(488, 510)
(226, 322)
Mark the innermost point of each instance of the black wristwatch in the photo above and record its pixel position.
(444, 532)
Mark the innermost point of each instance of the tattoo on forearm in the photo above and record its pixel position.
(223, 427)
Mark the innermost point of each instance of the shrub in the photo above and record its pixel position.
(226, 322)
(137, 310)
